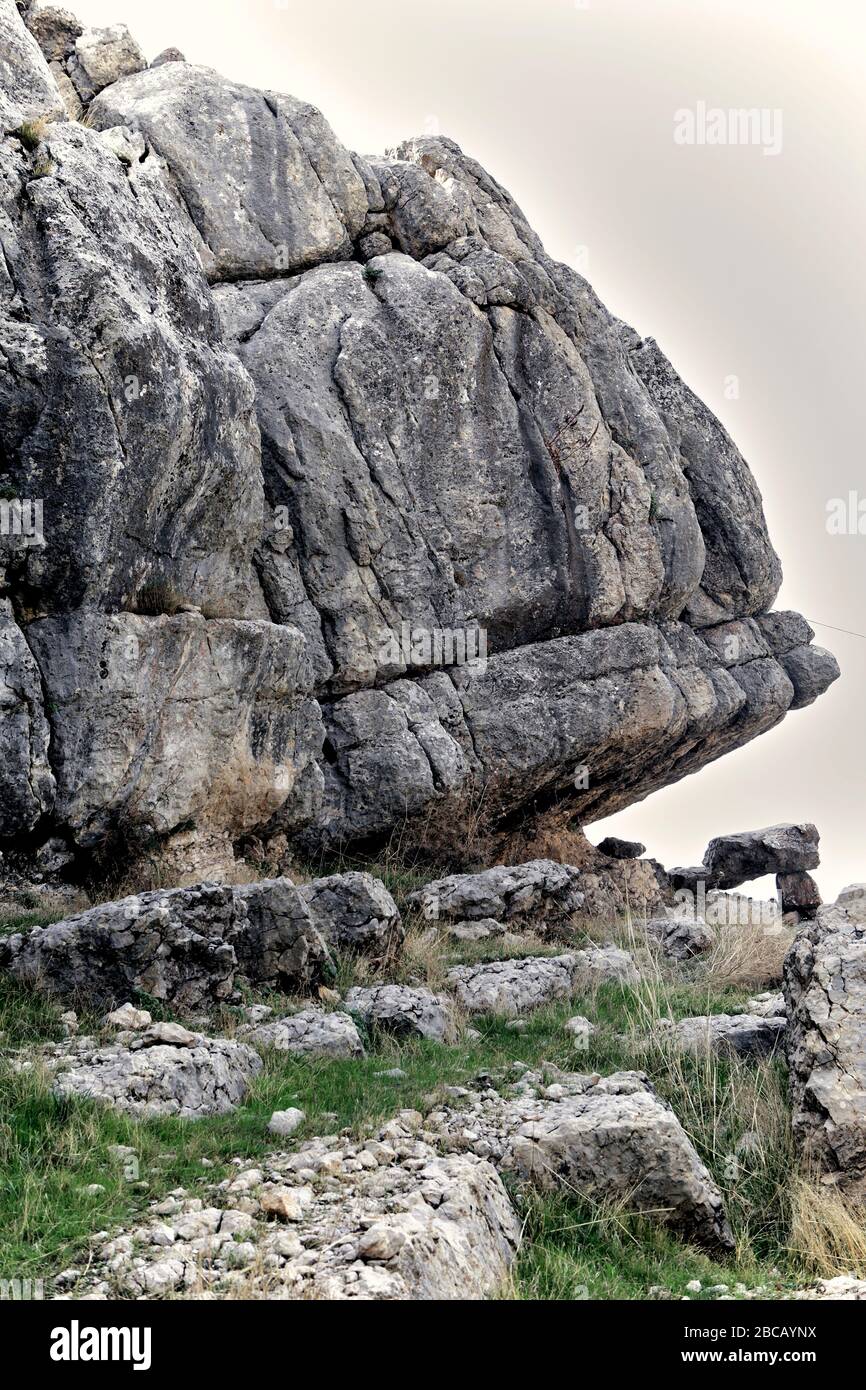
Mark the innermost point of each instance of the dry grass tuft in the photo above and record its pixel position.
(747, 957)
(828, 1230)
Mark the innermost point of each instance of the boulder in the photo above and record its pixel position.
(536, 572)
(403, 1011)
(542, 893)
(310, 1032)
(127, 1018)
(798, 892)
(28, 92)
(513, 986)
(182, 945)
(103, 56)
(168, 55)
(680, 938)
(54, 29)
(780, 849)
(476, 931)
(621, 849)
(265, 184)
(477, 521)
(157, 1073)
(286, 1122)
(610, 887)
(581, 1030)
(354, 912)
(853, 900)
(606, 1139)
(729, 1035)
(605, 965)
(770, 1004)
(825, 997)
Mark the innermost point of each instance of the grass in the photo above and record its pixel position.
(787, 1230)
(32, 133)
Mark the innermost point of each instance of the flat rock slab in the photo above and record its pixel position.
(513, 986)
(403, 1011)
(541, 891)
(825, 994)
(607, 1139)
(396, 1221)
(621, 849)
(779, 849)
(310, 1032)
(160, 1072)
(730, 1035)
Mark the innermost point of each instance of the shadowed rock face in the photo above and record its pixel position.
(417, 486)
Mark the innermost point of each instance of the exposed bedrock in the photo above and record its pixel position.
(355, 508)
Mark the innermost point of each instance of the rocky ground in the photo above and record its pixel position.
(552, 1107)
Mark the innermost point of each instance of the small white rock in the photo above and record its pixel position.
(285, 1122)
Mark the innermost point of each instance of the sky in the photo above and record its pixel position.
(743, 260)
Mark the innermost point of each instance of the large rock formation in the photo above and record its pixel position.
(825, 997)
(341, 474)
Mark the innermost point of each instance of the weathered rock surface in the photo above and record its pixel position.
(54, 29)
(381, 467)
(607, 1139)
(611, 887)
(265, 183)
(513, 986)
(160, 721)
(740, 1035)
(780, 849)
(353, 911)
(604, 965)
(27, 89)
(403, 1011)
(608, 709)
(393, 1220)
(183, 945)
(26, 780)
(103, 56)
(309, 1032)
(158, 1072)
(688, 878)
(825, 996)
(770, 1004)
(542, 892)
(680, 938)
